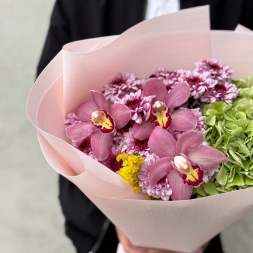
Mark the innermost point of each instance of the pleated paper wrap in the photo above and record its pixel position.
(174, 41)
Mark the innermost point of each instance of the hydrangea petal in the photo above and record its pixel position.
(159, 170)
(155, 87)
(189, 141)
(121, 114)
(162, 143)
(99, 99)
(85, 110)
(80, 130)
(101, 145)
(179, 95)
(180, 191)
(183, 120)
(207, 157)
(142, 131)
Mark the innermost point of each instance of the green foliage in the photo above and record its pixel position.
(230, 130)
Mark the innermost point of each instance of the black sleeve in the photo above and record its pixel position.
(58, 35)
(83, 221)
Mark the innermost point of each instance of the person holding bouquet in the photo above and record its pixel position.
(75, 20)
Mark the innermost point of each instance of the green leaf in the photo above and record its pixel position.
(235, 157)
(210, 188)
(210, 120)
(238, 180)
(246, 92)
(222, 176)
(200, 190)
(220, 189)
(240, 115)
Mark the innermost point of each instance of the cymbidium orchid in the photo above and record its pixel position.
(163, 113)
(98, 122)
(183, 162)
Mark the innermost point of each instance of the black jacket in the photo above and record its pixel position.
(81, 19)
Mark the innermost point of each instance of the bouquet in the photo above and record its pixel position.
(143, 130)
(193, 142)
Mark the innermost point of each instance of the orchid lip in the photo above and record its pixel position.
(161, 114)
(103, 121)
(191, 174)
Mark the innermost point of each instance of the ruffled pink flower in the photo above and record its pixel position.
(135, 146)
(169, 78)
(216, 70)
(71, 119)
(162, 188)
(208, 174)
(226, 92)
(199, 83)
(84, 146)
(139, 105)
(201, 126)
(98, 122)
(163, 113)
(121, 85)
(111, 162)
(183, 162)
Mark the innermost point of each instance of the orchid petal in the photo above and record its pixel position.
(162, 143)
(183, 120)
(189, 141)
(80, 131)
(121, 114)
(180, 191)
(85, 110)
(207, 157)
(142, 131)
(101, 145)
(159, 169)
(179, 95)
(99, 99)
(155, 87)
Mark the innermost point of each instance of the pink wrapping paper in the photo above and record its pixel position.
(174, 41)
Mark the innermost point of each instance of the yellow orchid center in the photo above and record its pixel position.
(191, 175)
(161, 112)
(103, 121)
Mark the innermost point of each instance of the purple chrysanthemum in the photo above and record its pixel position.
(162, 189)
(111, 161)
(120, 85)
(208, 174)
(201, 126)
(226, 92)
(135, 146)
(216, 70)
(139, 105)
(84, 146)
(169, 78)
(71, 119)
(199, 83)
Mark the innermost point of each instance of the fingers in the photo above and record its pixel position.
(127, 245)
(130, 248)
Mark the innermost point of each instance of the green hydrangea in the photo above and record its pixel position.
(230, 130)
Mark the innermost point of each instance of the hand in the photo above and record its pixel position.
(130, 248)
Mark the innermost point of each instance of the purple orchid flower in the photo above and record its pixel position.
(163, 113)
(98, 122)
(183, 162)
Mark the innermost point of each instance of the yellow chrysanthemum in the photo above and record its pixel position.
(131, 164)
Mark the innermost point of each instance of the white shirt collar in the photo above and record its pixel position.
(160, 7)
